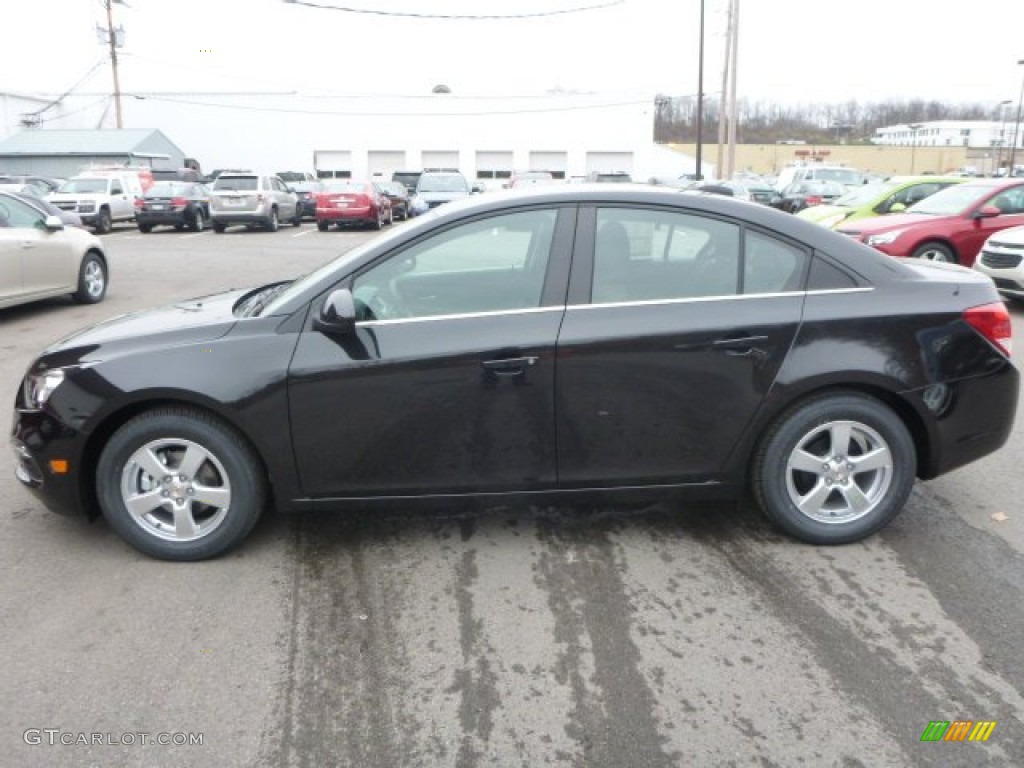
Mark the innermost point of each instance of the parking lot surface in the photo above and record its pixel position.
(667, 635)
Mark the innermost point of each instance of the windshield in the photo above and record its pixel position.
(442, 184)
(237, 183)
(84, 186)
(952, 201)
(842, 175)
(292, 176)
(867, 194)
(169, 189)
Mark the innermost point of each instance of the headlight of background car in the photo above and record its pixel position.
(39, 386)
(885, 238)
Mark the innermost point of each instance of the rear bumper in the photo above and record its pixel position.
(344, 215)
(162, 217)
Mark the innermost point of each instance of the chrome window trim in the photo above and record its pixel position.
(459, 316)
(724, 297)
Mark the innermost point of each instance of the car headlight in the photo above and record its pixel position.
(885, 238)
(39, 386)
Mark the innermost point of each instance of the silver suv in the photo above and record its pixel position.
(253, 199)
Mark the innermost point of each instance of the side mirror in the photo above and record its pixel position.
(338, 313)
(897, 208)
(53, 223)
(986, 212)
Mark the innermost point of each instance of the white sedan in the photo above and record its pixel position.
(41, 258)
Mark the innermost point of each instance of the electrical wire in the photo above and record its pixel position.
(293, 111)
(69, 91)
(453, 16)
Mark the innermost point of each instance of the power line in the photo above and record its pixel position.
(287, 110)
(68, 92)
(453, 16)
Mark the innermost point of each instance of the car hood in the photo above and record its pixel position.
(69, 196)
(1014, 236)
(892, 221)
(818, 213)
(187, 322)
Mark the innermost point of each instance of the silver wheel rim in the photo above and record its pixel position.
(935, 254)
(200, 222)
(176, 490)
(93, 279)
(839, 472)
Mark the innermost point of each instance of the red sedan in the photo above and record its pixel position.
(950, 226)
(343, 201)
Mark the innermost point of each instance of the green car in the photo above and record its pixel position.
(895, 194)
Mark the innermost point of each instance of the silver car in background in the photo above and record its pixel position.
(254, 199)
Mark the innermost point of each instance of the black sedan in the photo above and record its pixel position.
(805, 194)
(569, 343)
(178, 204)
(398, 194)
(307, 192)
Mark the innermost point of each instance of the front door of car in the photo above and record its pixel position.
(122, 205)
(1010, 203)
(673, 336)
(446, 385)
(45, 257)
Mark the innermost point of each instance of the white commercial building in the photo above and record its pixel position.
(980, 134)
(485, 138)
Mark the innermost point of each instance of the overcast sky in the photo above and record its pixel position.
(790, 50)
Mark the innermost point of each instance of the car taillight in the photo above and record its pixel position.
(813, 200)
(139, 202)
(179, 202)
(993, 322)
(362, 200)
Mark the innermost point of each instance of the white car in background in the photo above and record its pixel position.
(41, 258)
(1002, 259)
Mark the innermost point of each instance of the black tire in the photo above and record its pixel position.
(936, 252)
(273, 223)
(219, 227)
(92, 280)
(227, 469)
(297, 218)
(103, 222)
(391, 216)
(322, 225)
(378, 223)
(828, 479)
(198, 220)
(145, 228)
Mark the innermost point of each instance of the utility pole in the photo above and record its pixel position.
(112, 42)
(732, 86)
(700, 99)
(723, 103)
(1016, 128)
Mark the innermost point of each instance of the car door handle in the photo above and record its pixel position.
(510, 366)
(738, 345)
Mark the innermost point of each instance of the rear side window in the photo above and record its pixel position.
(771, 265)
(828, 277)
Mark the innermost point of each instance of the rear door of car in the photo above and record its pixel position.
(447, 384)
(676, 326)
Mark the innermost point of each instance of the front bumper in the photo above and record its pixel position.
(40, 442)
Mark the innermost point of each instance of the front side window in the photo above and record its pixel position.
(645, 255)
(491, 265)
(14, 213)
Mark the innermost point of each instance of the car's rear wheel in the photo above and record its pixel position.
(297, 218)
(103, 222)
(219, 227)
(145, 228)
(935, 252)
(272, 221)
(178, 484)
(92, 280)
(198, 220)
(835, 468)
(322, 225)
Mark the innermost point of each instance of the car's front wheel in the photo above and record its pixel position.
(178, 484)
(935, 252)
(92, 280)
(835, 468)
(272, 221)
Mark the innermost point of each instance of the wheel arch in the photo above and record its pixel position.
(940, 240)
(910, 417)
(113, 421)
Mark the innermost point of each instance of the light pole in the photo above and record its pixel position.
(1002, 133)
(1016, 125)
(700, 97)
(913, 143)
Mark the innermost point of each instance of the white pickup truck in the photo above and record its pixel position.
(100, 201)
